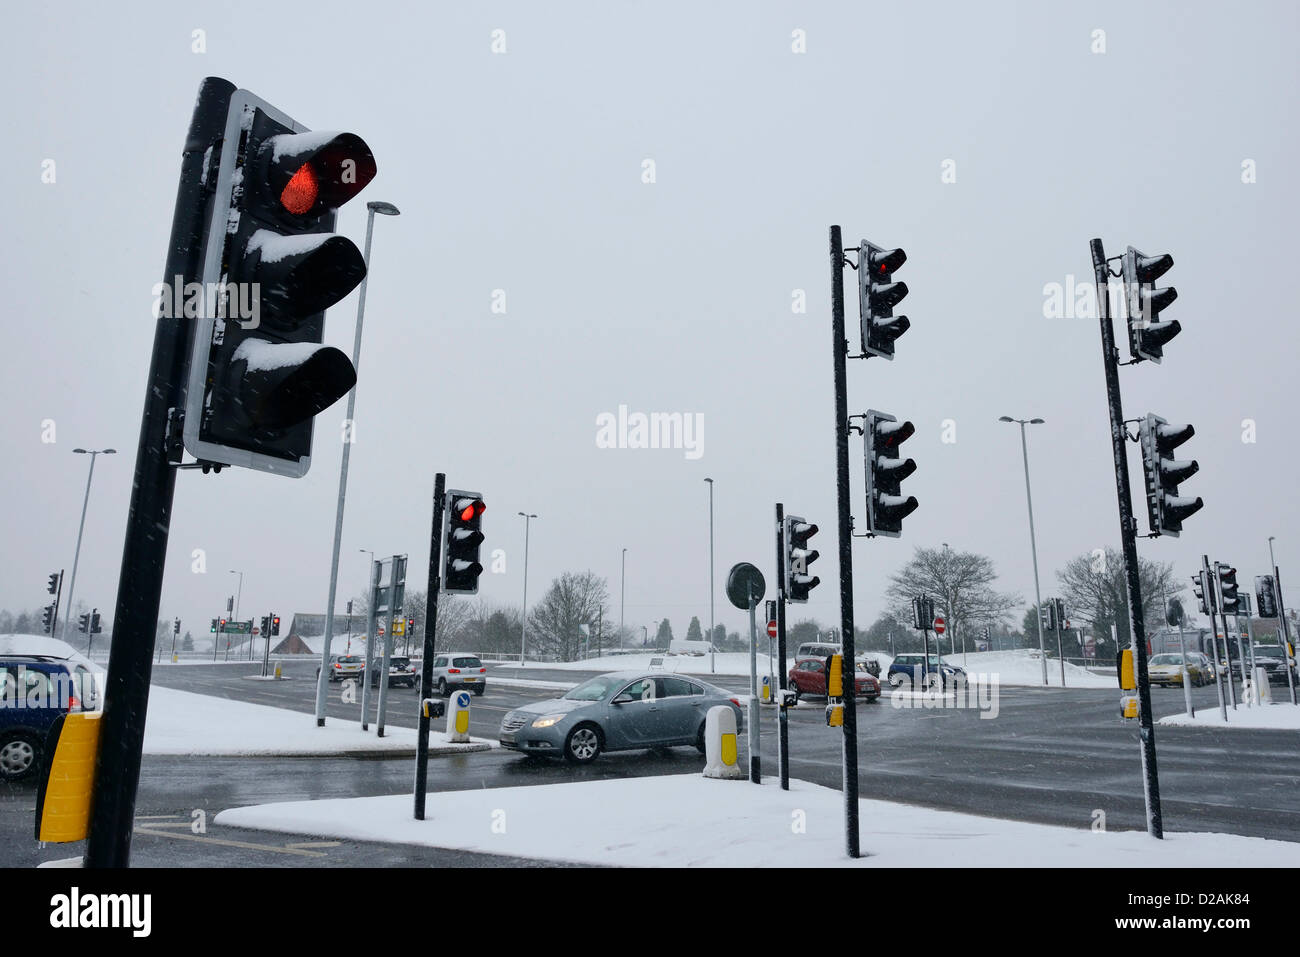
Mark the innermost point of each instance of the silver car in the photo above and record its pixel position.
(620, 711)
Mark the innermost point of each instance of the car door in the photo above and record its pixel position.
(683, 709)
(638, 723)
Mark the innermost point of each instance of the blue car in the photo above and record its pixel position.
(34, 691)
(913, 671)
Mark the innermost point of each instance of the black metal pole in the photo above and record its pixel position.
(840, 351)
(1283, 627)
(1128, 541)
(144, 552)
(430, 629)
(58, 598)
(782, 729)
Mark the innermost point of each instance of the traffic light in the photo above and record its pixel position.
(213, 627)
(1166, 509)
(1147, 335)
(176, 627)
(84, 626)
(94, 622)
(221, 625)
(47, 620)
(275, 624)
(1227, 587)
(1047, 613)
(886, 507)
(462, 541)
(1266, 596)
(878, 294)
(54, 583)
(1204, 594)
(796, 536)
(922, 613)
(410, 626)
(266, 624)
(271, 266)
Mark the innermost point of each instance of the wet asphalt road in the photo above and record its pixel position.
(1050, 756)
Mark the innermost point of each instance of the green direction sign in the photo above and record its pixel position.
(238, 628)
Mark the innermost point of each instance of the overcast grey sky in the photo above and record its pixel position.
(522, 171)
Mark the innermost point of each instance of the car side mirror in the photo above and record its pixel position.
(622, 699)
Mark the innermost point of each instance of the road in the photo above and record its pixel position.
(1050, 755)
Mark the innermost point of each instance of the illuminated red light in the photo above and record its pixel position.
(471, 510)
(300, 193)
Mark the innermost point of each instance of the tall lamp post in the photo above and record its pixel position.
(711, 621)
(523, 637)
(239, 591)
(1033, 545)
(622, 594)
(386, 209)
(72, 582)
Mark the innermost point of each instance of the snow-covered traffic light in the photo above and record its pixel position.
(271, 265)
(886, 469)
(1204, 594)
(462, 541)
(275, 624)
(878, 294)
(83, 624)
(1147, 334)
(1166, 509)
(797, 536)
(1228, 597)
(1266, 596)
(47, 620)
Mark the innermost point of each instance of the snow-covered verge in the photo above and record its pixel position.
(183, 723)
(1278, 716)
(1024, 666)
(689, 820)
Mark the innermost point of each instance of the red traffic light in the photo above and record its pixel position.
(472, 510)
(300, 193)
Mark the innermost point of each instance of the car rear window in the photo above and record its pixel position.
(467, 663)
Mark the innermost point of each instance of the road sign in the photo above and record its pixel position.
(381, 629)
(745, 584)
(256, 630)
(399, 626)
(938, 624)
(771, 629)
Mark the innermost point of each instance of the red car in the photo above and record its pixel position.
(808, 677)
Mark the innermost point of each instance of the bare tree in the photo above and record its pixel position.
(960, 584)
(1095, 589)
(573, 599)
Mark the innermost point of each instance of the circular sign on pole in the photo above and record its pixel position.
(938, 624)
(745, 586)
(256, 630)
(771, 629)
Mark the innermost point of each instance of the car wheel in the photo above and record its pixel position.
(699, 739)
(478, 692)
(582, 745)
(19, 756)
(442, 687)
(896, 680)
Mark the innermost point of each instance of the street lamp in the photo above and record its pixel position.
(1033, 546)
(72, 582)
(523, 637)
(386, 209)
(711, 622)
(622, 593)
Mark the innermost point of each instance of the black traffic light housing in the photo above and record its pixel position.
(275, 625)
(886, 469)
(878, 294)
(271, 265)
(84, 624)
(462, 542)
(53, 586)
(1266, 596)
(1204, 594)
(797, 537)
(94, 622)
(1228, 597)
(1147, 334)
(1166, 509)
(47, 620)
(265, 624)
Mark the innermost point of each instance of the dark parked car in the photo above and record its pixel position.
(34, 691)
(916, 670)
(1272, 658)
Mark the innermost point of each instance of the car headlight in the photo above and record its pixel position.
(547, 721)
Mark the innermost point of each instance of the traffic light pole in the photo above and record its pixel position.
(1128, 540)
(1227, 645)
(54, 619)
(782, 725)
(372, 599)
(840, 352)
(430, 630)
(144, 552)
(1285, 629)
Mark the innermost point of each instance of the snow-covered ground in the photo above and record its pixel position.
(689, 820)
(183, 723)
(1282, 716)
